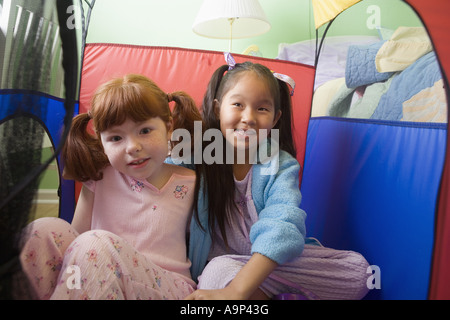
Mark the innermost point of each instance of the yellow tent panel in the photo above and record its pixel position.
(326, 10)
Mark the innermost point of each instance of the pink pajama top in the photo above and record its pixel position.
(154, 221)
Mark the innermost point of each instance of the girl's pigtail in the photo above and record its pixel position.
(208, 111)
(184, 114)
(219, 203)
(82, 153)
(285, 123)
(185, 111)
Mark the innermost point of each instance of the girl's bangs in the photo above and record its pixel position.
(132, 103)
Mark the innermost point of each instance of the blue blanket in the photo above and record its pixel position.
(360, 68)
(422, 74)
(386, 92)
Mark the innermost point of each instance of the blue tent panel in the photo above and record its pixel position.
(50, 112)
(371, 186)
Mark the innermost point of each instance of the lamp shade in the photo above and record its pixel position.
(213, 19)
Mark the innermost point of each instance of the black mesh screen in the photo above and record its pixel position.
(39, 76)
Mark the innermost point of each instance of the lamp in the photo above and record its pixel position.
(230, 19)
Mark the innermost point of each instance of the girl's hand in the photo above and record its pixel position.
(245, 285)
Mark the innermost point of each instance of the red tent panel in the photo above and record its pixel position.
(188, 70)
(434, 14)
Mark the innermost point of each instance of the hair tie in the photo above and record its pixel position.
(89, 113)
(286, 79)
(230, 60)
(169, 97)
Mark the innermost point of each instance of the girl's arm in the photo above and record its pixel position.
(83, 211)
(244, 285)
(279, 233)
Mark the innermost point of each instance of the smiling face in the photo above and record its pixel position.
(245, 109)
(138, 149)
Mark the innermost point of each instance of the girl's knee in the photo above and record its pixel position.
(46, 225)
(47, 235)
(94, 244)
(219, 272)
(44, 242)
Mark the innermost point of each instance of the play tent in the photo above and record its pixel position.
(379, 186)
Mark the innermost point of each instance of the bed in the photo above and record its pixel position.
(394, 76)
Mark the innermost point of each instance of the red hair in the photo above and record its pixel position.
(132, 97)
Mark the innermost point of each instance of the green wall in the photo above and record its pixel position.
(50, 177)
(169, 23)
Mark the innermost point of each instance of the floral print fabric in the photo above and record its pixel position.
(97, 264)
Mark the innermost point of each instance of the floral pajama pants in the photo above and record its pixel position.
(61, 264)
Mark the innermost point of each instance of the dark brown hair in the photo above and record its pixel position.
(220, 176)
(132, 97)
